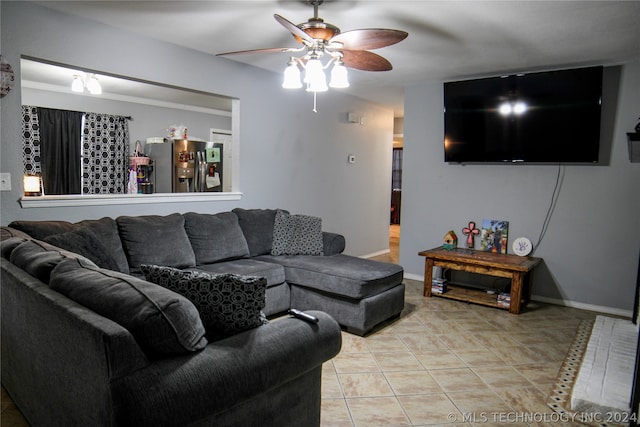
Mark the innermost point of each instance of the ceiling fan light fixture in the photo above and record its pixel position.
(93, 85)
(313, 71)
(339, 76)
(292, 76)
(77, 85)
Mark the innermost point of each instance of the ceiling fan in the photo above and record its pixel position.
(319, 39)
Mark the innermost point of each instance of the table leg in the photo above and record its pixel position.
(516, 293)
(428, 273)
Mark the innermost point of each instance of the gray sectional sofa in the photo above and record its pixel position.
(87, 340)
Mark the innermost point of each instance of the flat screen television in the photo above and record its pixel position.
(544, 117)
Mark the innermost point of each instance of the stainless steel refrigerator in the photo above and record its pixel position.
(184, 166)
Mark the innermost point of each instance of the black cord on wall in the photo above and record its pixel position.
(552, 205)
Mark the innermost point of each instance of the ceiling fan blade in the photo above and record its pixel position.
(293, 28)
(267, 50)
(369, 38)
(365, 61)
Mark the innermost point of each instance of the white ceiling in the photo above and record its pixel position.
(448, 40)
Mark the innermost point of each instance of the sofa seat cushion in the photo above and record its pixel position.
(154, 239)
(343, 275)
(274, 273)
(215, 237)
(227, 303)
(163, 322)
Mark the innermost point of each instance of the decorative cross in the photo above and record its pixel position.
(470, 232)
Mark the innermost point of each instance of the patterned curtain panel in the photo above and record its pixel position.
(105, 151)
(31, 140)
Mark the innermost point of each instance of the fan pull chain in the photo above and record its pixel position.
(315, 110)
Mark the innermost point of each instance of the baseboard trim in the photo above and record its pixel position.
(584, 306)
(382, 252)
(561, 302)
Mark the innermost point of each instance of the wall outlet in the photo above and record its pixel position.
(5, 182)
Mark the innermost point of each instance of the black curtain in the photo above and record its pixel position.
(60, 149)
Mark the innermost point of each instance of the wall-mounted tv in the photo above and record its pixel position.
(544, 117)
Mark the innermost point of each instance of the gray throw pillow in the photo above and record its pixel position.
(162, 322)
(153, 239)
(227, 303)
(215, 237)
(297, 235)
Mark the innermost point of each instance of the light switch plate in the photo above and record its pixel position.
(5, 182)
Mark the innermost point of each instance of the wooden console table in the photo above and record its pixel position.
(501, 265)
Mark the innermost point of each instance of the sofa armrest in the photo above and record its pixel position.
(333, 243)
(227, 372)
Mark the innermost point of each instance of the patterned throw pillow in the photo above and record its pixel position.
(227, 303)
(297, 235)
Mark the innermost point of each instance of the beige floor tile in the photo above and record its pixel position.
(377, 412)
(353, 344)
(412, 382)
(525, 399)
(480, 405)
(501, 376)
(460, 340)
(493, 338)
(430, 409)
(452, 380)
(355, 362)
(425, 342)
(385, 343)
(540, 373)
(365, 385)
(334, 413)
(443, 359)
(398, 361)
(331, 386)
(479, 357)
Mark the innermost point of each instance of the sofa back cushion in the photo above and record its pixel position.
(227, 303)
(257, 226)
(41, 229)
(215, 237)
(87, 242)
(154, 239)
(8, 232)
(163, 322)
(39, 258)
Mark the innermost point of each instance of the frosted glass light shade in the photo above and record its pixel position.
(291, 77)
(93, 85)
(339, 78)
(77, 85)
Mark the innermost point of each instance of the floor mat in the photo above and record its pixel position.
(560, 398)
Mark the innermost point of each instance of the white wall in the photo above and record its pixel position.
(591, 248)
(290, 157)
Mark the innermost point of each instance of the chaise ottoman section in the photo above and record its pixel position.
(359, 293)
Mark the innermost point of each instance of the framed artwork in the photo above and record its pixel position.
(494, 236)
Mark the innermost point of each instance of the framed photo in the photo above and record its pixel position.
(494, 236)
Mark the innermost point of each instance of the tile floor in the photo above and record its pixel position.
(449, 362)
(442, 362)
